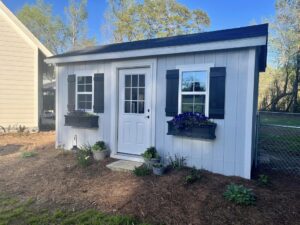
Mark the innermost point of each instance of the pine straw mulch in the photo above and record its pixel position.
(54, 180)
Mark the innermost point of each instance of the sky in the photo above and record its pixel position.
(223, 13)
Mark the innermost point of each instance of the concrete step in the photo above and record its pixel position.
(123, 165)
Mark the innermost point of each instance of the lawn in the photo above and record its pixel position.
(279, 119)
(42, 185)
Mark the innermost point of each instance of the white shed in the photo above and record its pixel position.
(135, 88)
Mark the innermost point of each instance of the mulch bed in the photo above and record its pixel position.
(55, 180)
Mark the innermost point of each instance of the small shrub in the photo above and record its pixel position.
(84, 155)
(28, 154)
(193, 176)
(21, 129)
(141, 171)
(178, 163)
(263, 180)
(99, 146)
(150, 153)
(239, 194)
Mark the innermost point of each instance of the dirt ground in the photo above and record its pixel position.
(54, 180)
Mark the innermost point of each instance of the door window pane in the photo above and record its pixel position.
(134, 80)
(134, 93)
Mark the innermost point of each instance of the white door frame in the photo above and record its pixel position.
(115, 67)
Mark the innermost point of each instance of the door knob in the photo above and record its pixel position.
(147, 117)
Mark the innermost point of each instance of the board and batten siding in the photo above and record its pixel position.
(18, 84)
(228, 154)
(65, 134)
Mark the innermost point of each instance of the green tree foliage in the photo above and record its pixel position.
(56, 35)
(283, 82)
(76, 32)
(130, 20)
(49, 29)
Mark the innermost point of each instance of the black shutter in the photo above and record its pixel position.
(172, 77)
(71, 92)
(217, 92)
(99, 93)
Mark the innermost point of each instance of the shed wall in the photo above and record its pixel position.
(227, 154)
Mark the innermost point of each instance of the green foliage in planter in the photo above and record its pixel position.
(79, 113)
(99, 146)
(158, 165)
(263, 180)
(84, 155)
(150, 153)
(141, 171)
(193, 176)
(178, 163)
(239, 194)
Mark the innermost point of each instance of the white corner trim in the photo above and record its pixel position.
(218, 45)
(249, 114)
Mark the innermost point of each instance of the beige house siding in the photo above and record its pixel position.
(18, 77)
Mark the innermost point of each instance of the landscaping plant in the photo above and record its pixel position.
(84, 155)
(188, 120)
(239, 194)
(263, 180)
(193, 176)
(141, 171)
(99, 150)
(28, 154)
(151, 156)
(178, 163)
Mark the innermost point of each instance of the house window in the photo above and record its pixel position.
(193, 91)
(84, 93)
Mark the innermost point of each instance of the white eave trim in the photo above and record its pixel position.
(218, 45)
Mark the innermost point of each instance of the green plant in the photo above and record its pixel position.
(99, 146)
(21, 129)
(263, 180)
(141, 171)
(158, 165)
(84, 155)
(28, 154)
(193, 176)
(150, 153)
(178, 162)
(239, 194)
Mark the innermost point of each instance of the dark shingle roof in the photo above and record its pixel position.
(221, 35)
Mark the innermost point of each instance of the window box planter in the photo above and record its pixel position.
(193, 125)
(206, 131)
(82, 121)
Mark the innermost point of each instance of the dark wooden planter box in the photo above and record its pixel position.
(203, 132)
(82, 121)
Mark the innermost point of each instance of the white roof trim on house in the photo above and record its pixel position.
(218, 45)
(20, 26)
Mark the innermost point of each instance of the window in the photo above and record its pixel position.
(134, 93)
(193, 90)
(84, 93)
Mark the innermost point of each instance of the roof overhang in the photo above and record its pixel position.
(190, 48)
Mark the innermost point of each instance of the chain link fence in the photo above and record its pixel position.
(278, 142)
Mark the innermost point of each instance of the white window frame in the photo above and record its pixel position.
(192, 68)
(84, 74)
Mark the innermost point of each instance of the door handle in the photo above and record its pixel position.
(148, 117)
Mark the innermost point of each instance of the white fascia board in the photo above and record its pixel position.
(218, 45)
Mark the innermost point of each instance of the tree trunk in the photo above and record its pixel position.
(296, 84)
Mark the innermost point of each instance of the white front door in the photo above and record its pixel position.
(134, 130)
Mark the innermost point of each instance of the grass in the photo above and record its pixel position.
(14, 211)
(280, 120)
(28, 154)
